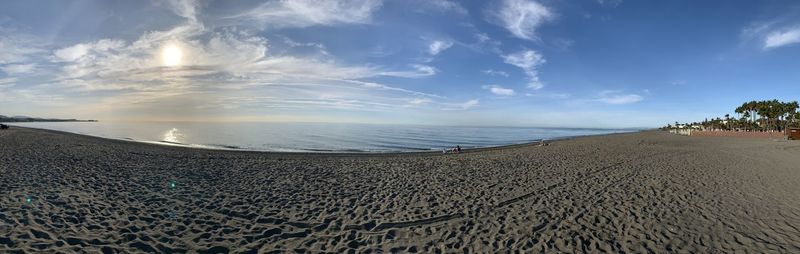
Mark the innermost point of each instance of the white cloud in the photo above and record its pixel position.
(446, 5)
(678, 82)
(380, 52)
(526, 59)
(18, 68)
(469, 104)
(184, 8)
(124, 78)
(529, 61)
(437, 46)
(484, 42)
(75, 52)
(562, 43)
(521, 17)
(495, 73)
(775, 32)
(223, 57)
(782, 38)
(549, 95)
(294, 44)
(305, 13)
(418, 72)
(482, 37)
(16, 47)
(418, 102)
(458, 106)
(499, 90)
(609, 3)
(390, 88)
(72, 53)
(617, 97)
(6, 82)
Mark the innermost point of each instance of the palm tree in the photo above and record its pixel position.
(765, 115)
(790, 109)
(746, 119)
(795, 117)
(727, 121)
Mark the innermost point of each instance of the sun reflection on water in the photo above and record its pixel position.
(174, 135)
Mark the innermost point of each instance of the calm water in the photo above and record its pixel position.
(316, 137)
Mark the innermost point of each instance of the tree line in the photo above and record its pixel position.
(766, 115)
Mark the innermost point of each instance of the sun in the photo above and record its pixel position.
(171, 55)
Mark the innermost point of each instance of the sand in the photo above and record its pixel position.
(632, 193)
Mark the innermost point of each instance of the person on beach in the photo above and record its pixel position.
(458, 148)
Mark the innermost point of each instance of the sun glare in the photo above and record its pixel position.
(171, 56)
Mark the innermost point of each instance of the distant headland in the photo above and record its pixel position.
(22, 119)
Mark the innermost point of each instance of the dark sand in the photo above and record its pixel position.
(640, 192)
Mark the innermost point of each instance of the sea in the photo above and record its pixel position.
(317, 137)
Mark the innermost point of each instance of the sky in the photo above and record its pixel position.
(545, 63)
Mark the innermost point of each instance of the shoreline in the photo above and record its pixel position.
(344, 153)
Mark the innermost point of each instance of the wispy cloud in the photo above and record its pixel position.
(562, 43)
(485, 42)
(616, 97)
(677, 82)
(418, 102)
(495, 73)
(80, 50)
(461, 106)
(305, 13)
(469, 104)
(419, 71)
(293, 43)
(445, 6)
(774, 32)
(6, 82)
(16, 47)
(499, 90)
(521, 17)
(390, 88)
(549, 95)
(220, 64)
(782, 38)
(18, 68)
(609, 3)
(482, 37)
(437, 46)
(183, 8)
(529, 61)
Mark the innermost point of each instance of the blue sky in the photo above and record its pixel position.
(592, 63)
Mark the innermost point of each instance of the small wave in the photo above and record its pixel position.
(336, 150)
(404, 148)
(225, 146)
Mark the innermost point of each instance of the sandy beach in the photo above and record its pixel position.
(631, 193)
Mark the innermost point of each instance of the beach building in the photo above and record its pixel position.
(793, 133)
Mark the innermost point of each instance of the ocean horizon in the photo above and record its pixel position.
(318, 137)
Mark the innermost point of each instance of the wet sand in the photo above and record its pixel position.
(638, 192)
